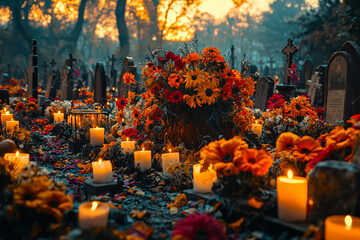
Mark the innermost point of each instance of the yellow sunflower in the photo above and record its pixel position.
(192, 101)
(208, 92)
(286, 141)
(27, 194)
(306, 148)
(56, 203)
(193, 78)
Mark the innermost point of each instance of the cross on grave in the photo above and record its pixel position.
(32, 72)
(313, 85)
(71, 60)
(53, 63)
(112, 60)
(271, 62)
(261, 64)
(289, 52)
(45, 66)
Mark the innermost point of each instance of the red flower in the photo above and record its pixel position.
(121, 103)
(130, 132)
(320, 112)
(174, 97)
(308, 97)
(322, 156)
(176, 58)
(31, 99)
(157, 114)
(197, 226)
(275, 101)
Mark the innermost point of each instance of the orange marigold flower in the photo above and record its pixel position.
(306, 148)
(19, 106)
(131, 96)
(129, 78)
(89, 101)
(355, 121)
(221, 153)
(175, 80)
(136, 113)
(258, 162)
(286, 141)
(48, 128)
(193, 57)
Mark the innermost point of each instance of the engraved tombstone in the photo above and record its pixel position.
(67, 81)
(264, 91)
(128, 66)
(339, 90)
(306, 73)
(100, 84)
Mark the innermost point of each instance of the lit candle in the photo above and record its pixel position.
(203, 181)
(143, 158)
(93, 214)
(97, 136)
(102, 171)
(58, 117)
(6, 116)
(292, 197)
(257, 128)
(169, 159)
(128, 146)
(18, 159)
(342, 227)
(12, 125)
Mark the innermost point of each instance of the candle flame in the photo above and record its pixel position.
(100, 160)
(108, 103)
(12, 119)
(94, 206)
(256, 121)
(143, 148)
(170, 150)
(127, 139)
(115, 99)
(348, 221)
(290, 174)
(17, 153)
(58, 111)
(4, 109)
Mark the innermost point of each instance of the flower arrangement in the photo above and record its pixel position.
(62, 106)
(14, 87)
(233, 159)
(195, 94)
(31, 105)
(296, 116)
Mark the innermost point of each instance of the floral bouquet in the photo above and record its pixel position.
(296, 116)
(197, 93)
(242, 171)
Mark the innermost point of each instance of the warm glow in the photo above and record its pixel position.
(127, 139)
(17, 153)
(5, 109)
(94, 206)
(58, 112)
(170, 150)
(256, 121)
(12, 119)
(100, 161)
(290, 174)
(348, 221)
(143, 148)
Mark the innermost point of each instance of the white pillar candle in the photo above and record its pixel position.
(257, 128)
(93, 214)
(7, 116)
(169, 159)
(128, 146)
(342, 227)
(292, 197)
(97, 136)
(58, 117)
(18, 159)
(102, 171)
(11, 125)
(203, 181)
(143, 158)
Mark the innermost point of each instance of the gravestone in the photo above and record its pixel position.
(339, 87)
(113, 72)
(264, 91)
(33, 72)
(67, 81)
(53, 82)
(306, 73)
(4, 96)
(90, 79)
(128, 66)
(271, 62)
(313, 84)
(100, 84)
(45, 67)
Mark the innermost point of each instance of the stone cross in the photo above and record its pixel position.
(67, 82)
(53, 63)
(271, 62)
(128, 66)
(113, 72)
(45, 66)
(261, 64)
(289, 52)
(100, 84)
(32, 72)
(313, 84)
(112, 60)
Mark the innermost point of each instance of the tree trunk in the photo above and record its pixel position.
(122, 28)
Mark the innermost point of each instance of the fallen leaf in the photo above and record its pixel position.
(236, 226)
(252, 202)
